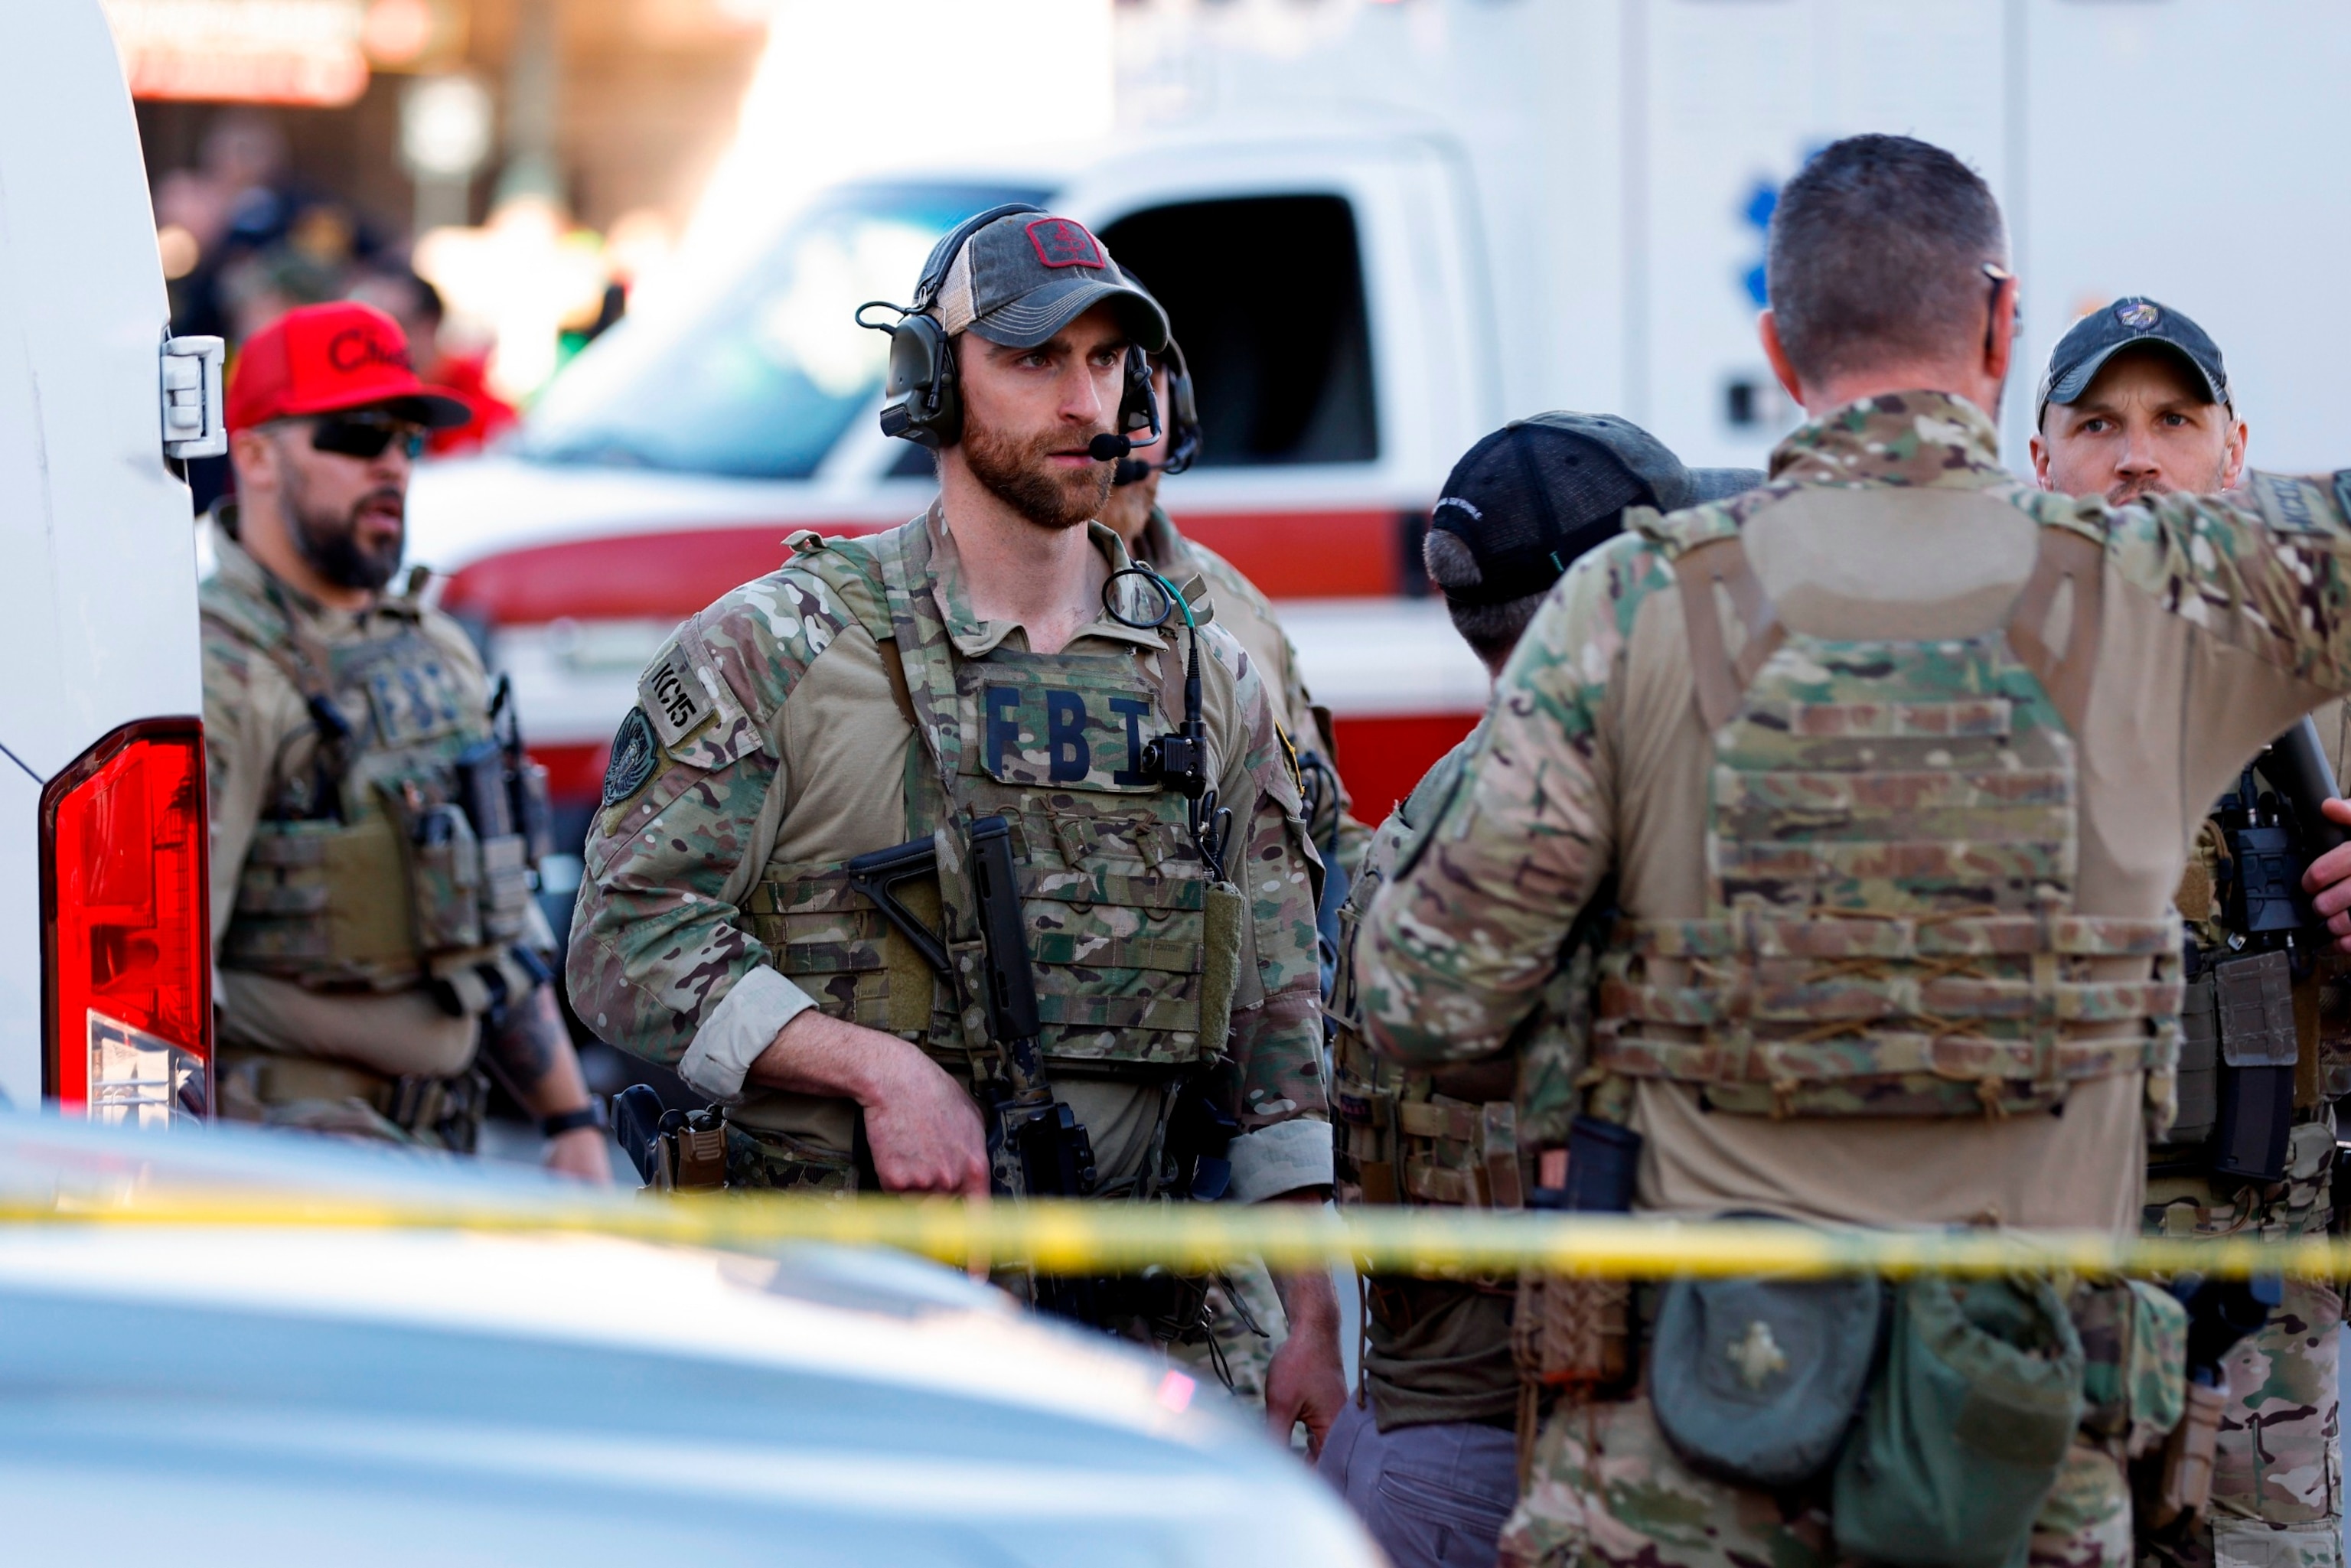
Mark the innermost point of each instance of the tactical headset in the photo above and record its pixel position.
(921, 404)
(1183, 423)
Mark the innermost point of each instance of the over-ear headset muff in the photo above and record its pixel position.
(1183, 422)
(920, 400)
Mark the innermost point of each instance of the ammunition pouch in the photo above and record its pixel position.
(2239, 1046)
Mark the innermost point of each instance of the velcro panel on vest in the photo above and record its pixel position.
(325, 905)
(1795, 997)
(837, 946)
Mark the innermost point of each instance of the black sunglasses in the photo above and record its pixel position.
(365, 435)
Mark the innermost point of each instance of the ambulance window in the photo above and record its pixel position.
(1266, 295)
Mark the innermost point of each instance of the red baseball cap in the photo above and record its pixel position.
(325, 359)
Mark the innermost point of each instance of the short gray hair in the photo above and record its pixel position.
(1876, 255)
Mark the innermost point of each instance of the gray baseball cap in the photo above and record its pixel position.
(2098, 337)
(1023, 277)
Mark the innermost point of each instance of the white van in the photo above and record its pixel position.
(105, 950)
(1381, 230)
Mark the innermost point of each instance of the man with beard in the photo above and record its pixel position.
(370, 894)
(2135, 404)
(990, 676)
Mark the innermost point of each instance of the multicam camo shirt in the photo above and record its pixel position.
(660, 943)
(1455, 951)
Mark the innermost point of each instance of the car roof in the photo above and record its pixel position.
(204, 1388)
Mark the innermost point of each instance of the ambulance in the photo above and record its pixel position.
(105, 950)
(1383, 229)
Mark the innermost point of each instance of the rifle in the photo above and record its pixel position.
(2239, 1053)
(1035, 1146)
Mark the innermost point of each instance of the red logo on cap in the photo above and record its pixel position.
(1061, 243)
(365, 347)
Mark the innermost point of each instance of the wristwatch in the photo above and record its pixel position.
(591, 1114)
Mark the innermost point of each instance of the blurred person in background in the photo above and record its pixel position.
(2135, 404)
(1249, 1322)
(818, 714)
(1427, 1452)
(377, 941)
(464, 375)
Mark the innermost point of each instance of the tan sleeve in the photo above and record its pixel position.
(250, 711)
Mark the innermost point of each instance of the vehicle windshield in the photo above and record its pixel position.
(760, 384)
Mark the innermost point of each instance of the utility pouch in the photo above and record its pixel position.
(2253, 1001)
(1226, 913)
(481, 770)
(2186, 1484)
(1966, 1427)
(1571, 1331)
(445, 865)
(2200, 1064)
(1758, 1381)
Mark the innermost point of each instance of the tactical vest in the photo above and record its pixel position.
(1465, 1137)
(1891, 840)
(367, 872)
(1135, 949)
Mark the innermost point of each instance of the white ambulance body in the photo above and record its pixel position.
(1381, 230)
(104, 948)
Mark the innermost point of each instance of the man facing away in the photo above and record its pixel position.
(1894, 762)
(2136, 403)
(1427, 1452)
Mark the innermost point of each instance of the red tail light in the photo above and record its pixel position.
(125, 928)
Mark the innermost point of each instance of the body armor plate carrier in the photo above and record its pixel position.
(1891, 844)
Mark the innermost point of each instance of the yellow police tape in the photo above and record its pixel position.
(1060, 1237)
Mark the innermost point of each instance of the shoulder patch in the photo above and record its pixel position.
(672, 696)
(2294, 506)
(634, 755)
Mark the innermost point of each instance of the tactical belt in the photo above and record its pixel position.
(448, 1110)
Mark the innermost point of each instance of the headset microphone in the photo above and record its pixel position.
(1108, 448)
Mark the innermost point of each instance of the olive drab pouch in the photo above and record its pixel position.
(445, 873)
(1966, 1427)
(1758, 1381)
(2253, 998)
(2200, 1064)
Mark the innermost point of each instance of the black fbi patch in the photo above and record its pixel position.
(634, 755)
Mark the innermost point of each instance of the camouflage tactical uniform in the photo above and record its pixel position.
(1249, 615)
(778, 736)
(363, 929)
(1863, 1068)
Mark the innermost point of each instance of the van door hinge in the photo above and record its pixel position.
(192, 423)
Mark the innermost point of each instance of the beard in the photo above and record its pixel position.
(331, 544)
(1020, 474)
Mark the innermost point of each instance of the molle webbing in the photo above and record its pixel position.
(1787, 999)
(1892, 844)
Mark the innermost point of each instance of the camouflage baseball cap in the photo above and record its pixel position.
(1530, 499)
(1024, 276)
(2098, 337)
